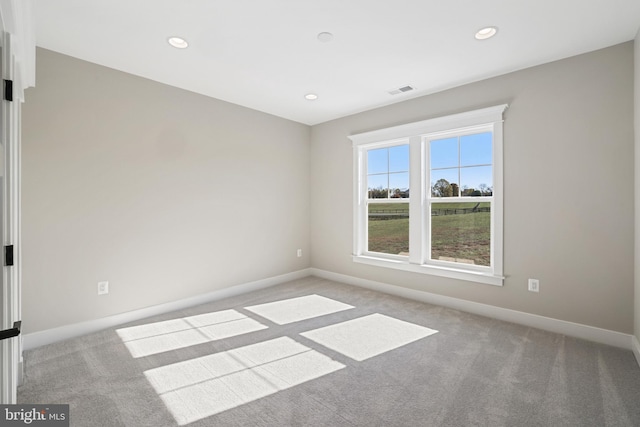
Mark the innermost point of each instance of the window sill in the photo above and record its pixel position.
(452, 273)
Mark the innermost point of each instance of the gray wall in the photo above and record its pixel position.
(164, 193)
(168, 194)
(568, 216)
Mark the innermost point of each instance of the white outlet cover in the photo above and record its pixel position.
(103, 288)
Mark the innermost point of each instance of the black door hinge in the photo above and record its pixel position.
(8, 90)
(8, 255)
(13, 332)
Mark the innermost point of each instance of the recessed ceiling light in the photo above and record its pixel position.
(311, 96)
(486, 33)
(325, 37)
(178, 42)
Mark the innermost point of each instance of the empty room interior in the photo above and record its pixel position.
(331, 213)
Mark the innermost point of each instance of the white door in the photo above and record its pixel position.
(11, 344)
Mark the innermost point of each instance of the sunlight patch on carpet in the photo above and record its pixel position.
(300, 308)
(205, 386)
(368, 336)
(158, 337)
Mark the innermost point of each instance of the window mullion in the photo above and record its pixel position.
(459, 168)
(416, 205)
(426, 201)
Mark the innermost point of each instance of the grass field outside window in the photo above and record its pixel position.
(463, 236)
(388, 228)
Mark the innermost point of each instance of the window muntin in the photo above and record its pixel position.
(388, 172)
(464, 153)
(461, 164)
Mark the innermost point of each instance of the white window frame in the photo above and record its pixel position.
(418, 135)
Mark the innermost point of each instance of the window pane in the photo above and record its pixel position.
(461, 232)
(378, 186)
(476, 149)
(388, 172)
(444, 153)
(399, 158)
(444, 183)
(399, 185)
(388, 227)
(477, 181)
(378, 161)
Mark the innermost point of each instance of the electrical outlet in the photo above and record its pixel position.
(534, 285)
(299, 253)
(103, 288)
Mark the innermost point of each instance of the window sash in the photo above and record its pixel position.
(362, 218)
(430, 200)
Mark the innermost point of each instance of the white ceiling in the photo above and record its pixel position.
(265, 55)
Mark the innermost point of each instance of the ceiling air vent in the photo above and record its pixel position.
(401, 90)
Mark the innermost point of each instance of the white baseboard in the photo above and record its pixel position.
(635, 344)
(585, 332)
(49, 336)
(590, 333)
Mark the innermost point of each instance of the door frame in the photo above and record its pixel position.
(17, 38)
